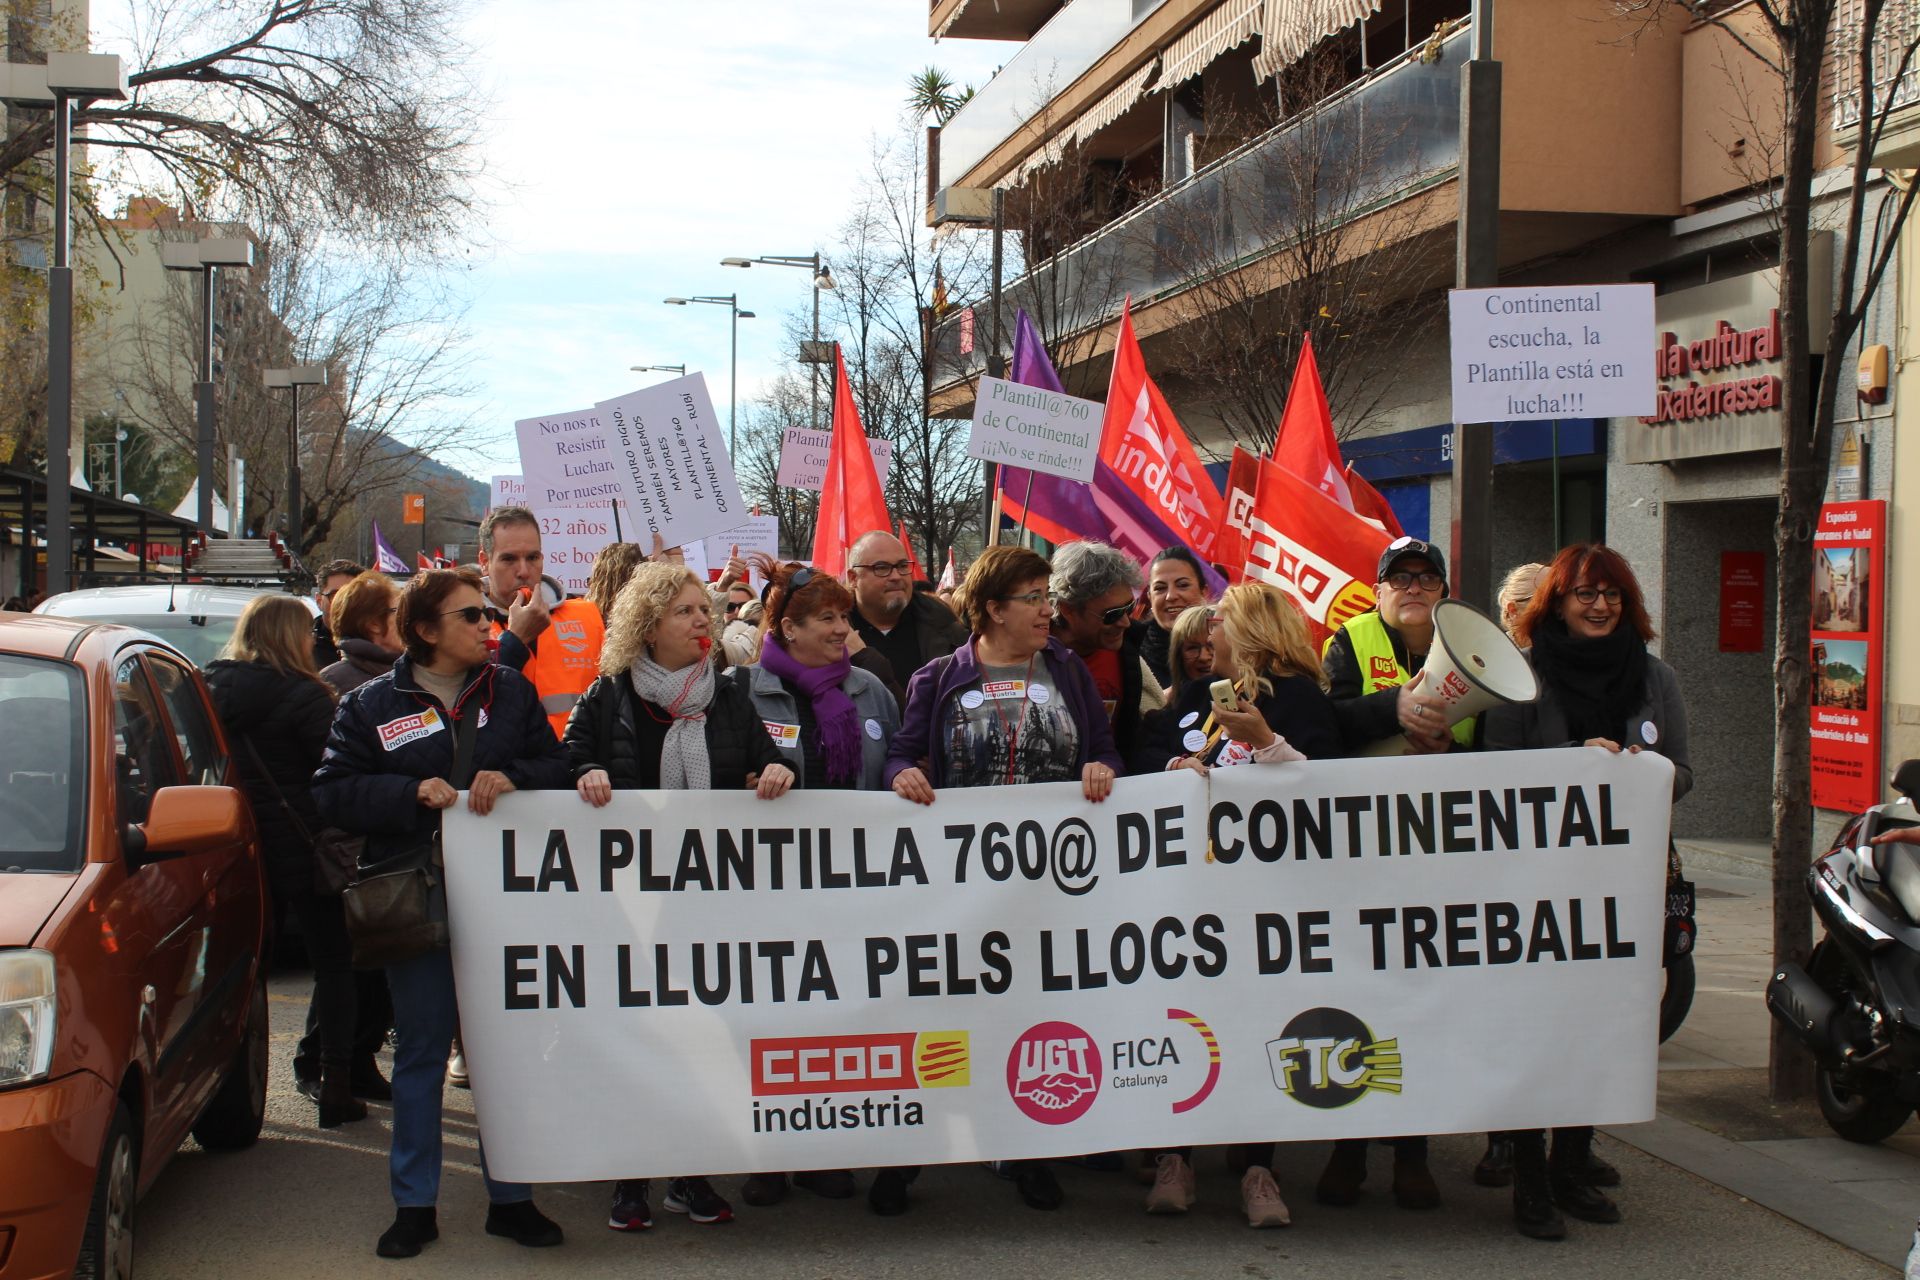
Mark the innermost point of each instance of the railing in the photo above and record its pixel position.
(1405, 121)
(1898, 31)
(1059, 53)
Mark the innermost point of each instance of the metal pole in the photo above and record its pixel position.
(814, 369)
(293, 476)
(59, 363)
(203, 407)
(1477, 266)
(994, 368)
(613, 505)
(733, 379)
(119, 487)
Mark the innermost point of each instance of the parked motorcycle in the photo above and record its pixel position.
(1856, 1005)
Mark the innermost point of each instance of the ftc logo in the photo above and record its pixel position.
(1328, 1058)
(1053, 1072)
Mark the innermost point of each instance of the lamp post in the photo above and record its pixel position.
(658, 368)
(300, 375)
(731, 302)
(65, 79)
(206, 257)
(822, 281)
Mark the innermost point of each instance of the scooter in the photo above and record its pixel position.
(1856, 1005)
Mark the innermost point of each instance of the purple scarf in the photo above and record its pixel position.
(839, 720)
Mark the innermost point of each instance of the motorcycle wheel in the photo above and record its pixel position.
(1677, 998)
(1865, 1115)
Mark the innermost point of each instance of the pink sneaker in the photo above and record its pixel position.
(1172, 1185)
(1261, 1196)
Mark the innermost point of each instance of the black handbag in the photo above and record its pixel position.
(397, 909)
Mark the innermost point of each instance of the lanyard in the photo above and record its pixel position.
(1019, 720)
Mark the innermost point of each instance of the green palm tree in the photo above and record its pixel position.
(931, 93)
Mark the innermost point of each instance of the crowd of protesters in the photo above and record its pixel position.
(1082, 668)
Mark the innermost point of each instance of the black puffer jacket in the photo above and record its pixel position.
(284, 720)
(600, 736)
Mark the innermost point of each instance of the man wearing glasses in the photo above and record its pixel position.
(1370, 660)
(907, 628)
(333, 575)
(1095, 587)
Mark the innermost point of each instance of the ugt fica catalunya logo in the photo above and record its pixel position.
(1328, 1058)
(1053, 1072)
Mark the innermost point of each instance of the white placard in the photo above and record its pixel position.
(565, 460)
(803, 458)
(759, 535)
(571, 539)
(1536, 352)
(1347, 948)
(509, 491)
(672, 462)
(1031, 427)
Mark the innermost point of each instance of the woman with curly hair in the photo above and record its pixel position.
(611, 569)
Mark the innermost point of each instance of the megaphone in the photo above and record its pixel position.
(1472, 666)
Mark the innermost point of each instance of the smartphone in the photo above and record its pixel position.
(1224, 696)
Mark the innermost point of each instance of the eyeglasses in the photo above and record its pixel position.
(884, 569)
(472, 613)
(1025, 597)
(1587, 595)
(1429, 581)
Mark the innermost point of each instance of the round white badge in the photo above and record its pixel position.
(873, 730)
(1040, 694)
(1649, 732)
(1190, 719)
(1194, 741)
(972, 698)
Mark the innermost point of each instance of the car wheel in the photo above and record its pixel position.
(233, 1116)
(106, 1251)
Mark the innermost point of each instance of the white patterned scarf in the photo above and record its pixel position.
(685, 694)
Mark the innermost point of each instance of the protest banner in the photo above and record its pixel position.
(1289, 952)
(571, 539)
(565, 460)
(1039, 430)
(509, 491)
(670, 462)
(803, 458)
(1535, 352)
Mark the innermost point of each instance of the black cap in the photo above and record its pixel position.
(1404, 548)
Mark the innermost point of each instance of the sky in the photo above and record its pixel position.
(632, 144)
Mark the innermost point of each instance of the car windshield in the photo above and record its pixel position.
(42, 764)
(200, 638)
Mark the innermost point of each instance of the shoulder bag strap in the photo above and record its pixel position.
(465, 730)
(292, 815)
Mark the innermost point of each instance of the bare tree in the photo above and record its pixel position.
(785, 404)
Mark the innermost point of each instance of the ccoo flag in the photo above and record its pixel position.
(1305, 444)
(1312, 548)
(852, 503)
(1145, 444)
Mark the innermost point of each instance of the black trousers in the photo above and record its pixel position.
(348, 1016)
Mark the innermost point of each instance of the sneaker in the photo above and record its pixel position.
(1260, 1196)
(1172, 1185)
(523, 1224)
(457, 1067)
(696, 1198)
(630, 1211)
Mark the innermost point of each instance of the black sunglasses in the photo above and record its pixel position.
(472, 613)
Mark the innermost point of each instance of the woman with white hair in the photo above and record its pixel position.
(660, 718)
(1094, 591)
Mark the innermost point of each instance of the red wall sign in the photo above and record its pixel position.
(1743, 605)
(1849, 622)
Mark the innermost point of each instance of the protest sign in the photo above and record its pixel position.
(1032, 427)
(829, 980)
(803, 458)
(671, 462)
(509, 491)
(1577, 351)
(709, 556)
(565, 460)
(571, 539)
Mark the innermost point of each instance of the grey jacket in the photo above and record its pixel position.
(871, 698)
(1544, 723)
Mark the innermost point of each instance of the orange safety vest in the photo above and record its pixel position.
(566, 658)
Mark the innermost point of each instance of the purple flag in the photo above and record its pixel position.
(1063, 510)
(385, 558)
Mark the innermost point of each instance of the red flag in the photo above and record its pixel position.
(1304, 444)
(1243, 476)
(1312, 548)
(1371, 503)
(1144, 443)
(851, 500)
(421, 560)
(919, 574)
(947, 579)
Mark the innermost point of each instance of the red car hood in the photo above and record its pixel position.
(27, 899)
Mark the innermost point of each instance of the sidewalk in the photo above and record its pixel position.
(1714, 1118)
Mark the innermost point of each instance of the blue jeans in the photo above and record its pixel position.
(425, 1019)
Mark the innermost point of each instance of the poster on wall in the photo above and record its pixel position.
(1743, 605)
(1849, 622)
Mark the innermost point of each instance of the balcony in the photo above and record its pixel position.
(1898, 31)
(1069, 46)
(1229, 210)
(988, 19)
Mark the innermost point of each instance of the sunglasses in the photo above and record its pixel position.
(472, 613)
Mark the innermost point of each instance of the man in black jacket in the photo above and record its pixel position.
(908, 628)
(333, 575)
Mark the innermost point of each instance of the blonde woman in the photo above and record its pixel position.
(1190, 647)
(277, 711)
(1516, 592)
(611, 569)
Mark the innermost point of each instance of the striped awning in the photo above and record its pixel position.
(952, 18)
(1119, 100)
(1227, 27)
(1288, 28)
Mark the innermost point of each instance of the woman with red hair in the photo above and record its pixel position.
(1588, 629)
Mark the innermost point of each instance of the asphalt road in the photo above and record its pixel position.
(306, 1203)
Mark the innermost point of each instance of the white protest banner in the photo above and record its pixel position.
(803, 458)
(572, 538)
(1287, 952)
(672, 462)
(565, 460)
(509, 491)
(1035, 428)
(1533, 352)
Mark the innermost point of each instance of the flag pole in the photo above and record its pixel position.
(1026, 505)
(613, 505)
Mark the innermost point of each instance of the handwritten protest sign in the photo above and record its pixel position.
(671, 464)
(803, 458)
(565, 460)
(1032, 427)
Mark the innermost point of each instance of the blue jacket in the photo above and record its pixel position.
(390, 733)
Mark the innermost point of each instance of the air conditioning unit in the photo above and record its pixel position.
(963, 204)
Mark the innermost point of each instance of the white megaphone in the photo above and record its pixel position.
(1472, 666)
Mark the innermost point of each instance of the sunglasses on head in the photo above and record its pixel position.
(472, 613)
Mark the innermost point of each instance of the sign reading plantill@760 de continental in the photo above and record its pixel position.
(1040, 430)
(1524, 353)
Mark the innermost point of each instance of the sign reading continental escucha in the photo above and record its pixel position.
(832, 980)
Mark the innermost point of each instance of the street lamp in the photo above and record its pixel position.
(300, 375)
(206, 257)
(658, 368)
(65, 79)
(822, 281)
(731, 302)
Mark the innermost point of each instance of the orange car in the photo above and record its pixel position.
(133, 999)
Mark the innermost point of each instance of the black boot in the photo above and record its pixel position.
(338, 1106)
(368, 1083)
(1534, 1213)
(1496, 1167)
(411, 1229)
(1567, 1174)
(523, 1224)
